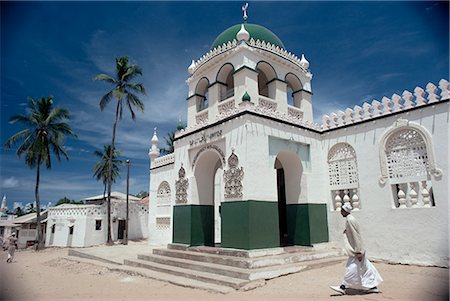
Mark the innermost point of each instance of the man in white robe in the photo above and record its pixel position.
(360, 273)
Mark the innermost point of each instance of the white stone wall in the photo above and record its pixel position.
(83, 219)
(410, 235)
(160, 233)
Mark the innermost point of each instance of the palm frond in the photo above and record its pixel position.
(106, 78)
(106, 99)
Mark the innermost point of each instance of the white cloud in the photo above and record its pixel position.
(10, 182)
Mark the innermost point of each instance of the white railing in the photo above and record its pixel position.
(295, 113)
(413, 195)
(388, 106)
(342, 196)
(227, 107)
(164, 160)
(201, 118)
(267, 104)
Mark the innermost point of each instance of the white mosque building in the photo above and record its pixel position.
(252, 170)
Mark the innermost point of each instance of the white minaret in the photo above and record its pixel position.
(3, 208)
(154, 150)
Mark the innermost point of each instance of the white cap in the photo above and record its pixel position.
(347, 207)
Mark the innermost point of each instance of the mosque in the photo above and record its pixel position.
(252, 170)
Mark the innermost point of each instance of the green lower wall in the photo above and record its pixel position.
(250, 225)
(193, 225)
(307, 224)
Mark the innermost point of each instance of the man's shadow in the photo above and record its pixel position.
(353, 292)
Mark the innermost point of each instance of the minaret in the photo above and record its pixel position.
(154, 150)
(3, 208)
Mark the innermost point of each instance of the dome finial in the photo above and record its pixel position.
(243, 34)
(244, 11)
(304, 62)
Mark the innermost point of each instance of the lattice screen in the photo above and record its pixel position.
(342, 166)
(406, 154)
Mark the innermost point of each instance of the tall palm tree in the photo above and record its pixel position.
(45, 132)
(123, 91)
(100, 168)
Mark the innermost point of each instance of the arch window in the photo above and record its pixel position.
(343, 175)
(266, 73)
(163, 208)
(225, 76)
(202, 94)
(407, 163)
(293, 85)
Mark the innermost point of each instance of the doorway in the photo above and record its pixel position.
(121, 230)
(282, 211)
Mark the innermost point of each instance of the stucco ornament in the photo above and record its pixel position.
(181, 186)
(407, 153)
(233, 178)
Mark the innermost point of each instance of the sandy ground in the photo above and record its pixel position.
(52, 275)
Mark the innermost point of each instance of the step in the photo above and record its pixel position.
(151, 274)
(191, 274)
(267, 272)
(202, 266)
(240, 262)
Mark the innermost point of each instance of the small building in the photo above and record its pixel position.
(71, 225)
(25, 227)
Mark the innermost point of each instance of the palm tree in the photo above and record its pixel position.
(100, 168)
(44, 133)
(169, 138)
(123, 91)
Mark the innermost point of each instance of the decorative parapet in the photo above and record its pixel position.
(201, 118)
(255, 44)
(227, 106)
(388, 106)
(295, 113)
(164, 160)
(264, 107)
(77, 210)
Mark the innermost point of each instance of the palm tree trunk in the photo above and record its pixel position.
(40, 242)
(109, 240)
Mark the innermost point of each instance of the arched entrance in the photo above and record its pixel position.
(289, 172)
(208, 174)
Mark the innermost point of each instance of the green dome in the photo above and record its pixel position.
(257, 32)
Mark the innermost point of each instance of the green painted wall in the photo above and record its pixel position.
(250, 224)
(307, 224)
(193, 225)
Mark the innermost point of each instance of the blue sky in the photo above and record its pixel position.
(357, 51)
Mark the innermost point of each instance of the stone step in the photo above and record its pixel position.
(189, 273)
(249, 263)
(152, 274)
(203, 266)
(266, 272)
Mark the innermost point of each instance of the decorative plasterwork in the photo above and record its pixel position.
(271, 49)
(209, 147)
(406, 152)
(342, 166)
(233, 178)
(181, 186)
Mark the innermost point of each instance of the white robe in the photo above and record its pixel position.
(358, 274)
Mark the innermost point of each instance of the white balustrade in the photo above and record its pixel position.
(355, 200)
(295, 113)
(338, 201)
(425, 195)
(401, 197)
(413, 195)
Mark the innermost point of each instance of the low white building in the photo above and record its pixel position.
(252, 169)
(26, 228)
(71, 225)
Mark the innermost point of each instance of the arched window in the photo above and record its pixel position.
(294, 85)
(201, 90)
(407, 163)
(225, 76)
(163, 209)
(266, 73)
(343, 175)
